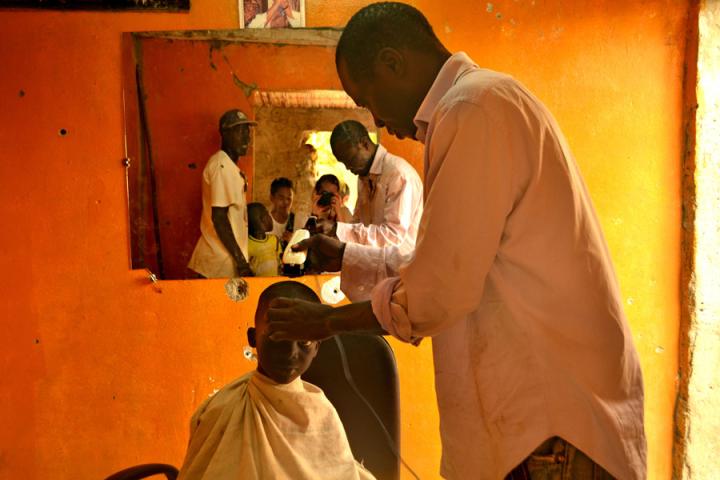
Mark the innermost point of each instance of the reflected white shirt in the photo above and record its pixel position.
(389, 205)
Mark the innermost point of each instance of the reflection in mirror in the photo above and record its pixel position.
(176, 88)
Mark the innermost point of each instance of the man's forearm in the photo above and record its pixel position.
(354, 318)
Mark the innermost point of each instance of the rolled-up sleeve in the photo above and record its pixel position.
(389, 304)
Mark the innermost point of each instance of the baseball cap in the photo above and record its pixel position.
(234, 117)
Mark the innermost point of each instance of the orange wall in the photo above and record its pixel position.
(100, 371)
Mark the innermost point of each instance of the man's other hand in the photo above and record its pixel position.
(325, 253)
(327, 226)
(244, 271)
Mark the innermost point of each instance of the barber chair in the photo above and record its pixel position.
(146, 470)
(358, 374)
(373, 428)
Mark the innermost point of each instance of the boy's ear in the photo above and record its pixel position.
(251, 337)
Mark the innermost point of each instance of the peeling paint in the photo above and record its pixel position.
(489, 7)
(213, 46)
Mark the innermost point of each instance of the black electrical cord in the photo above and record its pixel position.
(349, 378)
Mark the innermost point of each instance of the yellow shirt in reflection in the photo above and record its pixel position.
(264, 255)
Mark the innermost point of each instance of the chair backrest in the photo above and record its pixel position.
(370, 364)
(147, 470)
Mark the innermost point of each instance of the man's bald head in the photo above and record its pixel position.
(387, 58)
(382, 25)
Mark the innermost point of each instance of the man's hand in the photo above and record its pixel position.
(326, 226)
(243, 270)
(286, 236)
(325, 253)
(291, 319)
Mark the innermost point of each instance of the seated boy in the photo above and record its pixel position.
(264, 248)
(270, 424)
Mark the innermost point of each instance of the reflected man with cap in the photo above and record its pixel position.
(222, 249)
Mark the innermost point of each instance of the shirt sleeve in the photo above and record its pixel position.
(365, 266)
(226, 185)
(475, 149)
(402, 198)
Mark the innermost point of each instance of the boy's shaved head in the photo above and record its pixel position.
(288, 289)
(283, 361)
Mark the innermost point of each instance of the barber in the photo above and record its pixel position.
(535, 368)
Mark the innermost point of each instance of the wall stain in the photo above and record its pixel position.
(215, 44)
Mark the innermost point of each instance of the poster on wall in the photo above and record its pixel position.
(271, 13)
(160, 5)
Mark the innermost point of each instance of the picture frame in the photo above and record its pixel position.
(109, 5)
(271, 13)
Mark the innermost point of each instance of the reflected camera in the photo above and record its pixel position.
(325, 199)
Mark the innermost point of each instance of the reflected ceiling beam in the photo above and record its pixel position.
(302, 99)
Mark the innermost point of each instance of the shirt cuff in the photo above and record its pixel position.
(389, 304)
(342, 230)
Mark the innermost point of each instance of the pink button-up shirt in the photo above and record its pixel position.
(512, 279)
(388, 213)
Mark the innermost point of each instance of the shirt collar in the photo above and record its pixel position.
(456, 66)
(224, 154)
(378, 160)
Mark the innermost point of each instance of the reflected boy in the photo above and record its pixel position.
(264, 248)
(284, 219)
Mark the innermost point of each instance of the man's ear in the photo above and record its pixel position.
(366, 143)
(251, 337)
(389, 61)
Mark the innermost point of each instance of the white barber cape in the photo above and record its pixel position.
(255, 428)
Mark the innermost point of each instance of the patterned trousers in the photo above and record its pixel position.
(556, 459)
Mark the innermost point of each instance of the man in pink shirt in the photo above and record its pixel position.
(389, 204)
(535, 368)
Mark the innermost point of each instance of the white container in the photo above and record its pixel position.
(295, 258)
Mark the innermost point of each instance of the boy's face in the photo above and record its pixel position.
(237, 139)
(282, 200)
(282, 361)
(260, 221)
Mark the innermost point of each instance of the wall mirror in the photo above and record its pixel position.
(176, 87)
